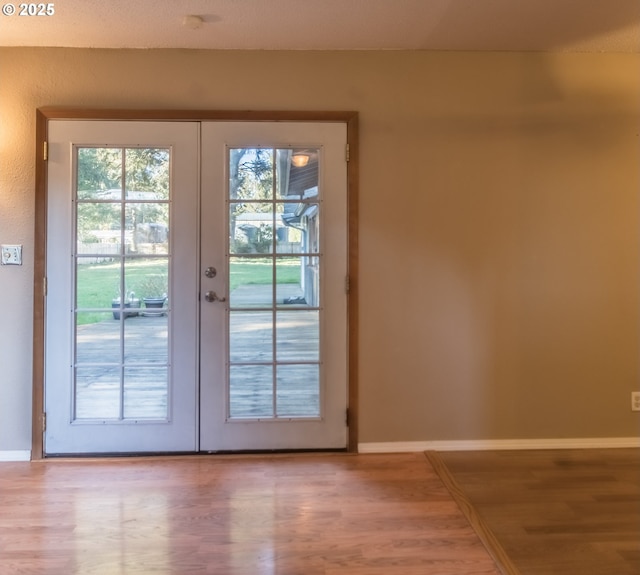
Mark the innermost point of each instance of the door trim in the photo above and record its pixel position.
(43, 115)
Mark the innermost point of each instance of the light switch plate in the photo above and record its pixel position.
(11, 255)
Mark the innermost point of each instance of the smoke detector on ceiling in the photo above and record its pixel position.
(192, 22)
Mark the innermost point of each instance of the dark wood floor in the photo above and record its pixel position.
(313, 514)
(565, 512)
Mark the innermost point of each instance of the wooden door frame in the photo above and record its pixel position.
(43, 115)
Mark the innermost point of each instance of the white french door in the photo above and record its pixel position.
(122, 213)
(274, 339)
(196, 287)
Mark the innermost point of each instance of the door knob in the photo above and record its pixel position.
(212, 296)
(210, 272)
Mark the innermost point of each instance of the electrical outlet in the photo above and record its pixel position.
(11, 255)
(635, 401)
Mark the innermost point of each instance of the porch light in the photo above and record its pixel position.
(300, 160)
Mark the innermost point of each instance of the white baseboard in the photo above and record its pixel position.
(15, 455)
(499, 444)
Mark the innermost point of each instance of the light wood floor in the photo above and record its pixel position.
(311, 514)
(565, 512)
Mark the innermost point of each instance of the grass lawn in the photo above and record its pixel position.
(99, 284)
(249, 271)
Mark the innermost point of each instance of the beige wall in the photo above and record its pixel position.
(499, 241)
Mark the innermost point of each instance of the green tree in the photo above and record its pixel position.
(100, 189)
(251, 176)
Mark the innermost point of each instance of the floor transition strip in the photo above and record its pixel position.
(489, 540)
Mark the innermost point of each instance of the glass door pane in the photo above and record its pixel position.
(274, 210)
(122, 262)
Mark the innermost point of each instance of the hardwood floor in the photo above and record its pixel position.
(573, 512)
(316, 514)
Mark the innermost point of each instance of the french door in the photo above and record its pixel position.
(273, 313)
(196, 287)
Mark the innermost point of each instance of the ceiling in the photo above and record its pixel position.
(503, 25)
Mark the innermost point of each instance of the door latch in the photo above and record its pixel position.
(212, 296)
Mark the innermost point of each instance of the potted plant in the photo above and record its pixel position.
(153, 288)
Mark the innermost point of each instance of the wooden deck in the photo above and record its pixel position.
(146, 353)
(251, 341)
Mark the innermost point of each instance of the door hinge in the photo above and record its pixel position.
(44, 422)
(347, 285)
(346, 152)
(45, 151)
(347, 418)
(44, 286)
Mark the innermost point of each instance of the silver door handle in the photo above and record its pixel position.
(212, 296)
